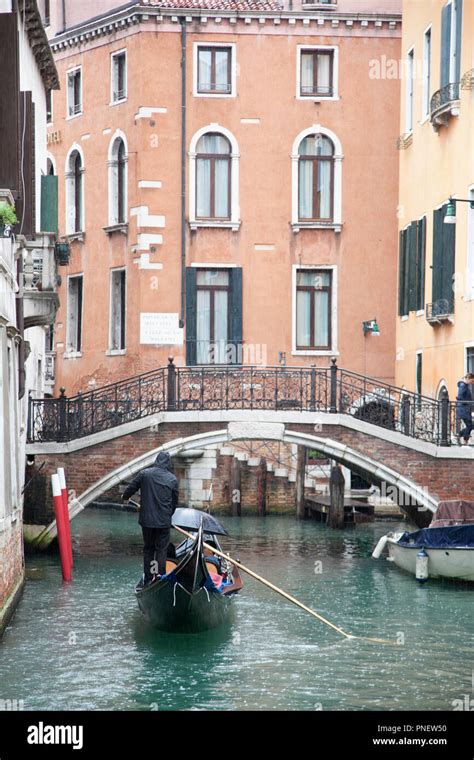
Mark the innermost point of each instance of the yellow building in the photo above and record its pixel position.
(435, 324)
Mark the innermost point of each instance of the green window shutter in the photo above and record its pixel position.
(412, 285)
(401, 275)
(191, 316)
(458, 39)
(420, 264)
(49, 203)
(449, 247)
(445, 44)
(437, 266)
(235, 312)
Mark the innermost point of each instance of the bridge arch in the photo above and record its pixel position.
(376, 472)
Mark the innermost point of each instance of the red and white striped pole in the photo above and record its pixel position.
(60, 522)
(62, 483)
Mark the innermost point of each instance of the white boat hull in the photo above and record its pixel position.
(457, 564)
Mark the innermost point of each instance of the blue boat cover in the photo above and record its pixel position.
(440, 538)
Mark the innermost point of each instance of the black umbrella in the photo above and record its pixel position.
(190, 519)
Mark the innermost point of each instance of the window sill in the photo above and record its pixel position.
(318, 98)
(72, 355)
(420, 313)
(116, 352)
(229, 225)
(118, 102)
(74, 116)
(404, 318)
(214, 94)
(297, 226)
(112, 228)
(79, 236)
(314, 352)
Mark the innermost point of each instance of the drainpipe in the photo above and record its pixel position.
(20, 322)
(183, 171)
(64, 14)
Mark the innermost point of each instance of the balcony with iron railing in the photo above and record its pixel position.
(440, 311)
(445, 103)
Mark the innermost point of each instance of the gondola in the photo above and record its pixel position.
(196, 593)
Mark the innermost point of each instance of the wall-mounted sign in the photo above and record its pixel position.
(159, 329)
(54, 137)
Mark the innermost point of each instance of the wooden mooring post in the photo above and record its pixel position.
(235, 487)
(336, 491)
(262, 487)
(300, 478)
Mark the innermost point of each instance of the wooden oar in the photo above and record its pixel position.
(284, 594)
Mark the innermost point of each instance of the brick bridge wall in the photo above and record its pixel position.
(443, 478)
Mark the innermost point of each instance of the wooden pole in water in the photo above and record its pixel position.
(300, 478)
(262, 487)
(336, 491)
(235, 487)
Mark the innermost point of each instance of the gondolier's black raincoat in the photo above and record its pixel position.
(159, 493)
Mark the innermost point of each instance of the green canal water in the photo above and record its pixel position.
(85, 645)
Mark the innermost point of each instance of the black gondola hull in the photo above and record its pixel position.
(169, 607)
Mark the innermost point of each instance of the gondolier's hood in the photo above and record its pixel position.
(163, 460)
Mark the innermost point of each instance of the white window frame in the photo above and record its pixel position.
(233, 69)
(410, 92)
(234, 222)
(336, 223)
(335, 72)
(112, 180)
(70, 191)
(73, 353)
(427, 72)
(332, 351)
(70, 116)
(117, 351)
(115, 54)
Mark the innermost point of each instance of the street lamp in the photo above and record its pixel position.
(371, 328)
(450, 217)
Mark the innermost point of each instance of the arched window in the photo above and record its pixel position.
(118, 182)
(214, 179)
(213, 170)
(316, 179)
(75, 192)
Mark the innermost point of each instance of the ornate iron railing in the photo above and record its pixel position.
(440, 310)
(444, 97)
(207, 388)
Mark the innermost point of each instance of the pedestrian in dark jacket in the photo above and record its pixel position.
(159, 498)
(464, 407)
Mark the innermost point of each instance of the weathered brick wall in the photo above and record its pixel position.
(11, 560)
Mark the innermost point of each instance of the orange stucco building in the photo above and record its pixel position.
(243, 213)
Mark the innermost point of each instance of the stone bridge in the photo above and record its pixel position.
(419, 472)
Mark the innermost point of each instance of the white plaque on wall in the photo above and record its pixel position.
(159, 329)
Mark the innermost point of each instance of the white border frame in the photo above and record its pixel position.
(332, 351)
(335, 73)
(67, 177)
(296, 223)
(118, 135)
(117, 351)
(73, 69)
(410, 80)
(234, 221)
(67, 353)
(427, 67)
(233, 69)
(112, 56)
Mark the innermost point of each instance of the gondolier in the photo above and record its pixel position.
(159, 499)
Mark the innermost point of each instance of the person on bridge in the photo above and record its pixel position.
(159, 499)
(464, 407)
